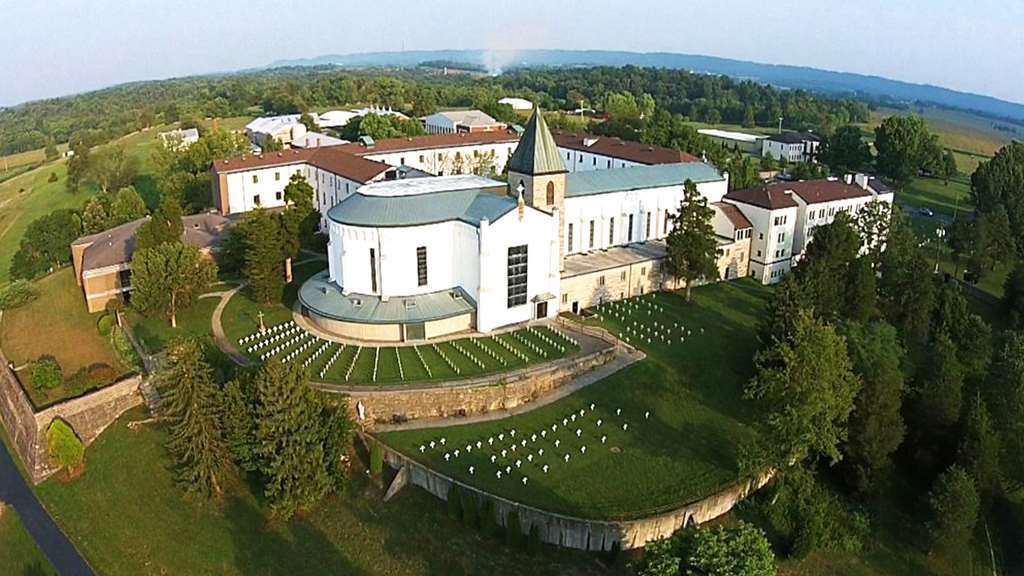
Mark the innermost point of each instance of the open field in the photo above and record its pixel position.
(57, 324)
(18, 552)
(127, 516)
(29, 157)
(681, 406)
(935, 194)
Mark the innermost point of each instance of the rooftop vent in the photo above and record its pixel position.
(409, 304)
(356, 302)
(588, 142)
(456, 295)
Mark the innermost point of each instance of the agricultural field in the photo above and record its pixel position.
(934, 194)
(128, 515)
(660, 433)
(57, 324)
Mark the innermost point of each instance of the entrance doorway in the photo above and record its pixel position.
(417, 331)
(542, 310)
(576, 307)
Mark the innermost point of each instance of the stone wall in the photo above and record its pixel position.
(503, 391)
(581, 533)
(87, 415)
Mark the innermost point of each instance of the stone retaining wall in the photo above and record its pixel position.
(581, 533)
(87, 415)
(503, 391)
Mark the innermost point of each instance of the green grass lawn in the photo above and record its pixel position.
(685, 450)
(128, 517)
(934, 194)
(18, 552)
(57, 324)
(156, 332)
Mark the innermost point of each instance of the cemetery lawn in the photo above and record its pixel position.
(57, 324)
(241, 315)
(18, 552)
(156, 333)
(686, 450)
(127, 516)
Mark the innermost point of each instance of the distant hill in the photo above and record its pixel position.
(814, 79)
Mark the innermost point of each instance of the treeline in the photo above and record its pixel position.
(100, 116)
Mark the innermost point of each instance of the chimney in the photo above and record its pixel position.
(862, 180)
(848, 178)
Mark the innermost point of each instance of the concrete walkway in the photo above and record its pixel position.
(37, 521)
(622, 359)
(226, 345)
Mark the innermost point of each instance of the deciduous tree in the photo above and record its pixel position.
(954, 505)
(903, 145)
(845, 151)
(168, 278)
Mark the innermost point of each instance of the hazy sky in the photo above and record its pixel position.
(56, 47)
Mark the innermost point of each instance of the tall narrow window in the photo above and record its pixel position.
(516, 275)
(373, 270)
(591, 238)
(647, 227)
(551, 193)
(569, 249)
(421, 266)
(611, 231)
(629, 232)
(665, 231)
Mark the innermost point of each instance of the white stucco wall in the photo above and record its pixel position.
(770, 256)
(578, 161)
(451, 160)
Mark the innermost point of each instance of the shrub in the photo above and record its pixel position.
(454, 503)
(513, 530)
(742, 549)
(376, 458)
(53, 177)
(533, 544)
(105, 324)
(64, 446)
(123, 347)
(17, 293)
(46, 373)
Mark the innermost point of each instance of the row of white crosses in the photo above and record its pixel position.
(446, 359)
(376, 359)
(352, 365)
(316, 353)
(467, 354)
(331, 360)
(525, 450)
(401, 371)
(293, 339)
(306, 339)
(489, 352)
(546, 339)
(260, 334)
(512, 350)
(564, 336)
(422, 361)
(282, 335)
(536, 349)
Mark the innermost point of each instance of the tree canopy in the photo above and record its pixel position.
(168, 278)
(692, 248)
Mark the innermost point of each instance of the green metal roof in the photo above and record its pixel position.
(470, 206)
(590, 182)
(325, 298)
(537, 152)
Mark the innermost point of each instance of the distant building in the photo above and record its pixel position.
(102, 261)
(750, 143)
(316, 140)
(517, 103)
(791, 146)
(339, 118)
(455, 121)
(582, 152)
(282, 128)
(733, 232)
(180, 139)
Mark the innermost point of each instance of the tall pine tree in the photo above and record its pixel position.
(692, 249)
(193, 407)
(264, 258)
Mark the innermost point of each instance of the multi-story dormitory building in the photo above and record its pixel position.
(416, 252)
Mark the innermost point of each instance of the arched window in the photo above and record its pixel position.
(551, 193)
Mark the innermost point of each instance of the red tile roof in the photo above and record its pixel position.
(331, 158)
(429, 141)
(738, 220)
(780, 195)
(622, 149)
(763, 197)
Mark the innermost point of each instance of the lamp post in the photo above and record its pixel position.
(940, 233)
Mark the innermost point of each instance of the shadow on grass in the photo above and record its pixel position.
(297, 547)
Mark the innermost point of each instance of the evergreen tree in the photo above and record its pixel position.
(240, 423)
(906, 292)
(876, 424)
(692, 249)
(825, 269)
(940, 394)
(804, 389)
(777, 323)
(164, 226)
(299, 219)
(264, 264)
(1005, 397)
(96, 215)
(861, 293)
(954, 504)
(78, 166)
(979, 447)
(193, 408)
(168, 278)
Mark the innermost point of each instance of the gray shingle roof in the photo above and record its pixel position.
(537, 152)
(470, 206)
(117, 245)
(326, 299)
(590, 182)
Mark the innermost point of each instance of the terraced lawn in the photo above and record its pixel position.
(671, 424)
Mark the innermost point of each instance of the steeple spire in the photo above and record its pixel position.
(537, 152)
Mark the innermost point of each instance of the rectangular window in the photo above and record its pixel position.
(591, 238)
(622, 276)
(277, 176)
(609, 163)
(255, 179)
(373, 270)
(595, 160)
(611, 231)
(421, 266)
(516, 275)
(600, 281)
(277, 195)
(647, 227)
(782, 236)
(569, 249)
(629, 233)
(565, 298)
(256, 199)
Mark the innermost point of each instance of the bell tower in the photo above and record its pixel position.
(536, 172)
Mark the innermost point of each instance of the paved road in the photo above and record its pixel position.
(37, 521)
